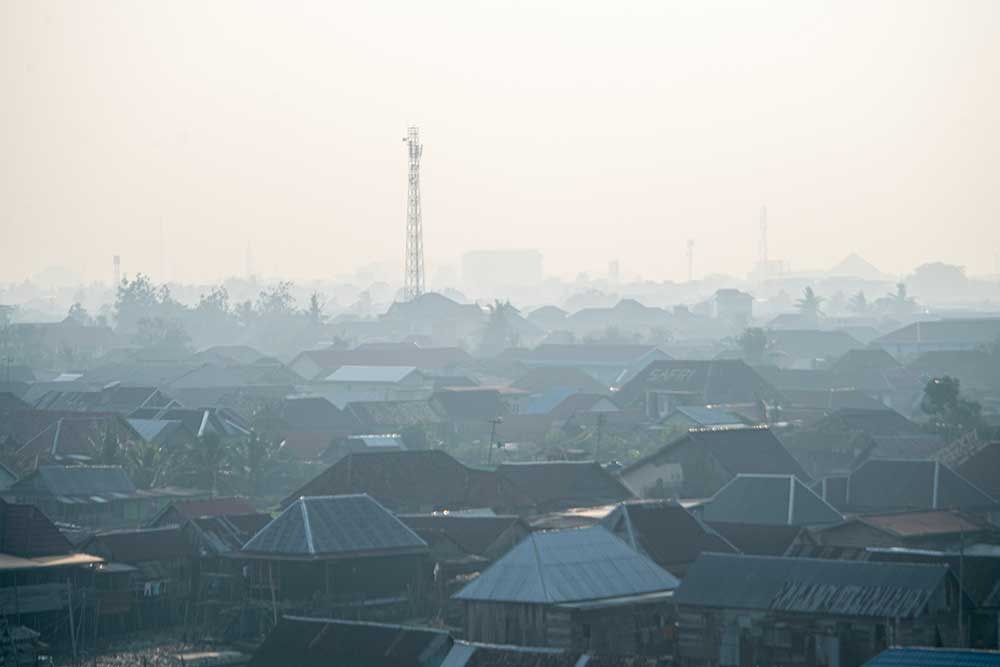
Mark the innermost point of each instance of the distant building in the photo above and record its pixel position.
(940, 336)
(734, 306)
(349, 384)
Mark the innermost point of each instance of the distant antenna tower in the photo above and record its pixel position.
(413, 283)
(690, 253)
(763, 242)
(117, 262)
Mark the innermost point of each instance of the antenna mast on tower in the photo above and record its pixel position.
(413, 282)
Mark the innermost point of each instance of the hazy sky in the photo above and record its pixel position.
(590, 130)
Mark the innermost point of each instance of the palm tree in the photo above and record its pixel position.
(204, 462)
(252, 459)
(810, 304)
(147, 464)
(110, 450)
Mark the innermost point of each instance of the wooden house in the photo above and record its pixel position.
(148, 579)
(699, 462)
(340, 554)
(753, 610)
(581, 588)
(39, 575)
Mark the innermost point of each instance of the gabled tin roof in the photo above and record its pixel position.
(568, 566)
(769, 500)
(324, 527)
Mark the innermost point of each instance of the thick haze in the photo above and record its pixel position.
(589, 130)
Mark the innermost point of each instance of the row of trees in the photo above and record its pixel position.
(896, 305)
(155, 321)
(225, 466)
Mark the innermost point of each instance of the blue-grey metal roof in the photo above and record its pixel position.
(769, 500)
(808, 585)
(704, 416)
(332, 527)
(150, 429)
(380, 374)
(568, 566)
(934, 657)
(82, 480)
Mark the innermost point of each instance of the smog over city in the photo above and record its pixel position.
(498, 333)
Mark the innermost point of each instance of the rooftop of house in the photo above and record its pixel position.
(424, 358)
(74, 481)
(417, 480)
(708, 416)
(781, 500)
(315, 413)
(26, 532)
(538, 380)
(194, 509)
(951, 331)
(894, 484)
(739, 450)
(934, 657)
(812, 343)
(559, 484)
(665, 531)
(141, 545)
(326, 527)
(474, 534)
(775, 584)
(379, 415)
(583, 353)
(711, 382)
(316, 642)
(568, 566)
(472, 405)
(925, 524)
(374, 374)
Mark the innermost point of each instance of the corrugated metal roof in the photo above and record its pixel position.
(934, 657)
(333, 526)
(390, 374)
(84, 480)
(704, 416)
(568, 566)
(769, 500)
(836, 587)
(149, 429)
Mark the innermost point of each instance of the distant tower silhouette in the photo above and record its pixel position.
(690, 254)
(117, 262)
(413, 282)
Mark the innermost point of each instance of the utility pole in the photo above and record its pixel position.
(413, 276)
(493, 438)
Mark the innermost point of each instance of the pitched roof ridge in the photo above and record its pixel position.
(310, 546)
(539, 567)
